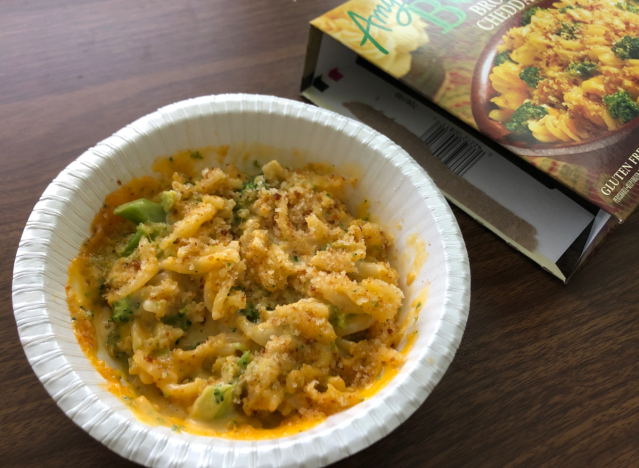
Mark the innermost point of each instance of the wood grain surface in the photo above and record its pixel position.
(547, 374)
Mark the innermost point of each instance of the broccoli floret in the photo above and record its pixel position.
(528, 14)
(243, 361)
(143, 230)
(251, 313)
(112, 345)
(502, 57)
(526, 112)
(133, 243)
(627, 48)
(213, 403)
(141, 211)
(626, 7)
(568, 31)
(530, 76)
(177, 321)
(337, 318)
(113, 338)
(621, 106)
(122, 310)
(582, 69)
(570, 7)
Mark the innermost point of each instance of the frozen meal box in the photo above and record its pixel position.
(525, 114)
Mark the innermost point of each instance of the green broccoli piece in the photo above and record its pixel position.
(112, 345)
(526, 112)
(219, 395)
(196, 155)
(143, 230)
(626, 7)
(141, 211)
(530, 76)
(213, 403)
(177, 321)
(528, 14)
(570, 7)
(627, 48)
(337, 318)
(251, 313)
(122, 310)
(582, 69)
(621, 106)
(568, 31)
(133, 243)
(244, 360)
(113, 338)
(502, 57)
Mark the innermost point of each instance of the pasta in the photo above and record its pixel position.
(570, 72)
(230, 303)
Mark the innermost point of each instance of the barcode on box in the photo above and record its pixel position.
(453, 149)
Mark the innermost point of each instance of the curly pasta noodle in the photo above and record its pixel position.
(574, 66)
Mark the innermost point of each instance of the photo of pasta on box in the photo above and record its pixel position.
(562, 74)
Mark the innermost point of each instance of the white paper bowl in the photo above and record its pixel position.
(61, 219)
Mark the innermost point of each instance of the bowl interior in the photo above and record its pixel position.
(403, 198)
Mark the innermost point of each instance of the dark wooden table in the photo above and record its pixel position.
(547, 374)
